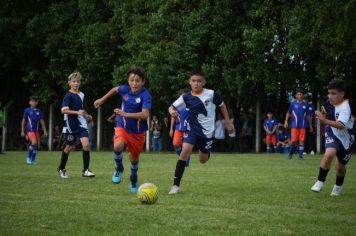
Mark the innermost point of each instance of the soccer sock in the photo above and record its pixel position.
(187, 162)
(118, 160)
(64, 159)
(180, 167)
(133, 175)
(30, 151)
(292, 149)
(34, 153)
(178, 150)
(339, 180)
(268, 148)
(322, 174)
(86, 160)
(301, 150)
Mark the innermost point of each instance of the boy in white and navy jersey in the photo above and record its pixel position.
(201, 104)
(75, 126)
(336, 115)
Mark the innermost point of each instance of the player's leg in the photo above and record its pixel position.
(205, 147)
(32, 147)
(86, 156)
(70, 141)
(340, 176)
(294, 140)
(135, 145)
(274, 143)
(178, 142)
(268, 143)
(324, 169)
(301, 138)
(119, 145)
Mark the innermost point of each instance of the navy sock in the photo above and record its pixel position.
(339, 180)
(133, 175)
(178, 150)
(180, 167)
(64, 159)
(322, 174)
(301, 150)
(34, 153)
(30, 151)
(86, 160)
(118, 160)
(292, 149)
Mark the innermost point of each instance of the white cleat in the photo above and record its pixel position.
(88, 173)
(318, 186)
(174, 190)
(63, 174)
(336, 190)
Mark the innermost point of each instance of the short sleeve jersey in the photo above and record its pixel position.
(182, 122)
(341, 113)
(32, 117)
(298, 112)
(201, 111)
(73, 123)
(283, 136)
(270, 124)
(133, 103)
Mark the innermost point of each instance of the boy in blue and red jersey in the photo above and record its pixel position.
(270, 126)
(298, 112)
(32, 117)
(131, 123)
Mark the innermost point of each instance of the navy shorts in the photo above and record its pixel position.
(204, 144)
(342, 154)
(74, 138)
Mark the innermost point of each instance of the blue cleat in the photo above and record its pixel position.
(34, 162)
(28, 161)
(133, 187)
(116, 178)
(300, 158)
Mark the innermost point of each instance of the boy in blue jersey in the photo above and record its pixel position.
(270, 127)
(283, 140)
(131, 123)
(32, 117)
(75, 127)
(336, 115)
(298, 112)
(201, 103)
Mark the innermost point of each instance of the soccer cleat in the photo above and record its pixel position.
(318, 186)
(300, 158)
(116, 178)
(174, 190)
(134, 187)
(62, 173)
(34, 162)
(88, 173)
(28, 161)
(336, 190)
(289, 157)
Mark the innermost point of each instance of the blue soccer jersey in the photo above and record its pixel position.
(133, 103)
(310, 113)
(270, 124)
(201, 111)
(182, 122)
(32, 117)
(73, 123)
(282, 137)
(298, 112)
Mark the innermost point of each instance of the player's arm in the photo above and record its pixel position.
(23, 123)
(143, 115)
(101, 100)
(66, 110)
(43, 124)
(228, 124)
(322, 117)
(171, 130)
(266, 129)
(310, 120)
(173, 111)
(286, 120)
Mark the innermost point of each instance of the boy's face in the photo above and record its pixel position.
(197, 83)
(299, 96)
(269, 115)
(33, 103)
(74, 84)
(335, 96)
(135, 82)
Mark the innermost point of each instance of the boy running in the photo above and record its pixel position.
(336, 115)
(75, 127)
(131, 123)
(32, 117)
(201, 103)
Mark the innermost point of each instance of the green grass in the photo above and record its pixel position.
(233, 194)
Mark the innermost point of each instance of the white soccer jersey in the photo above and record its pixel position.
(202, 111)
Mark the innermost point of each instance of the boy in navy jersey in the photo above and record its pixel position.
(131, 123)
(75, 127)
(336, 115)
(201, 104)
(32, 117)
(270, 126)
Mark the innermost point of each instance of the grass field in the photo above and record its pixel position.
(233, 194)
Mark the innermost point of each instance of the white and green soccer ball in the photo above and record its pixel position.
(147, 193)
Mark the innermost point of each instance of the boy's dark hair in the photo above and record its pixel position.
(137, 71)
(197, 73)
(281, 128)
(33, 98)
(337, 84)
(299, 90)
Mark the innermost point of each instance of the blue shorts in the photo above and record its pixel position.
(204, 144)
(342, 154)
(74, 138)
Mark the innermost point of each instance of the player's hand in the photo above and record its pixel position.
(82, 113)
(45, 134)
(119, 112)
(286, 125)
(320, 115)
(98, 102)
(229, 127)
(23, 134)
(171, 132)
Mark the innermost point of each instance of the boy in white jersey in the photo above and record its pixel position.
(201, 103)
(336, 115)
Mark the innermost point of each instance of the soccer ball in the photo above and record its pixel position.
(147, 193)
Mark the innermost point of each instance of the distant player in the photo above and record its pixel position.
(32, 117)
(270, 126)
(338, 140)
(298, 112)
(75, 126)
(283, 140)
(131, 123)
(201, 103)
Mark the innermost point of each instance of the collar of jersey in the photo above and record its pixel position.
(196, 95)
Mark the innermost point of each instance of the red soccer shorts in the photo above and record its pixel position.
(33, 136)
(271, 139)
(178, 138)
(133, 142)
(298, 135)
